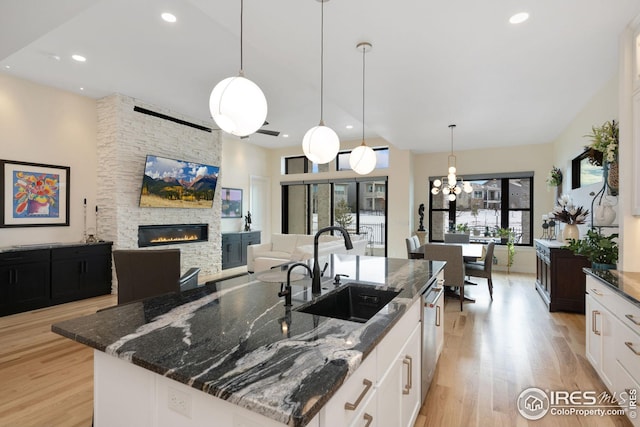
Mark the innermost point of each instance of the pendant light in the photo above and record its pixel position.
(237, 104)
(363, 159)
(321, 144)
(450, 186)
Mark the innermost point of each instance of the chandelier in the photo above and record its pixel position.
(450, 186)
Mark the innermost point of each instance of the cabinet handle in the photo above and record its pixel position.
(594, 313)
(352, 406)
(409, 362)
(368, 418)
(630, 317)
(438, 320)
(630, 346)
(595, 291)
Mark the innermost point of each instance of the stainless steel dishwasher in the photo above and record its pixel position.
(431, 320)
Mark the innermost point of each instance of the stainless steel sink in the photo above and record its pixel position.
(353, 302)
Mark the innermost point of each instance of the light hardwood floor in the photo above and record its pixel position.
(492, 352)
(495, 350)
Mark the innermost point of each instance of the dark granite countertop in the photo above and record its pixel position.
(36, 246)
(626, 284)
(228, 338)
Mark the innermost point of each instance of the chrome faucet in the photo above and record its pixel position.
(286, 292)
(315, 281)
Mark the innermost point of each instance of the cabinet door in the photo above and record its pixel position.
(600, 344)
(369, 416)
(410, 389)
(593, 323)
(231, 250)
(80, 272)
(389, 395)
(24, 281)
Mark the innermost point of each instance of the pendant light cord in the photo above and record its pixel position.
(322, 61)
(364, 48)
(241, 31)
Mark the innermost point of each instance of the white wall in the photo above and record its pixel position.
(571, 142)
(240, 160)
(40, 124)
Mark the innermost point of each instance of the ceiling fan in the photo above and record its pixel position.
(264, 131)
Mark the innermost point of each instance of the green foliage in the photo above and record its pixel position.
(343, 214)
(462, 228)
(596, 247)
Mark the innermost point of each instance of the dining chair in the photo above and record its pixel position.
(482, 269)
(456, 238)
(145, 273)
(454, 269)
(412, 243)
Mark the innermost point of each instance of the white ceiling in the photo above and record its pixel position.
(433, 62)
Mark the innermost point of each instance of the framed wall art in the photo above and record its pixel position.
(33, 194)
(231, 203)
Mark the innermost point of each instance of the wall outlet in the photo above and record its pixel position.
(179, 401)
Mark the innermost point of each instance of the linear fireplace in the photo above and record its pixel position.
(172, 234)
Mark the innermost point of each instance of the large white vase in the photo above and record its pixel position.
(570, 231)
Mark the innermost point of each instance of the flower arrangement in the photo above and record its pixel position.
(568, 213)
(39, 189)
(604, 143)
(554, 179)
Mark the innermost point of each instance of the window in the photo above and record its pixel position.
(311, 205)
(497, 201)
(382, 156)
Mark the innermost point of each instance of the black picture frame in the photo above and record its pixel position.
(231, 202)
(34, 194)
(583, 173)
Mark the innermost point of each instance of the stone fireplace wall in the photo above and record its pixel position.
(125, 137)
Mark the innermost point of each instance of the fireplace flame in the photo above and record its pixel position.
(186, 237)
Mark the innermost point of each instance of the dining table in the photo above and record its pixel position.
(470, 251)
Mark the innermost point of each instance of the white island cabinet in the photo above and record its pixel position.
(385, 389)
(613, 343)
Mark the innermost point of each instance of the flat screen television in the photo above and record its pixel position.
(171, 183)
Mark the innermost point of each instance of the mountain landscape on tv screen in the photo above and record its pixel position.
(174, 183)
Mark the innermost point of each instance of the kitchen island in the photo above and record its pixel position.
(236, 344)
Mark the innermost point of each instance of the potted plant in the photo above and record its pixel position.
(571, 215)
(603, 151)
(462, 228)
(601, 250)
(507, 237)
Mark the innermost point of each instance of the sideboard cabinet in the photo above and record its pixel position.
(43, 275)
(234, 247)
(559, 277)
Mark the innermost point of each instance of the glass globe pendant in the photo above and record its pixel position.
(237, 104)
(363, 159)
(321, 143)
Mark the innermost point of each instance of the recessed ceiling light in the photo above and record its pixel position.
(7, 66)
(81, 88)
(169, 17)
(519, 18)
(55, 57)
(78, 58)
(285, 135)
(349, 126)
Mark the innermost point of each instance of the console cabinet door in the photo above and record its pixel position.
(24, 281)
(80, 272)
(231, 250)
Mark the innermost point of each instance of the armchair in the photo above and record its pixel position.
(145, 273)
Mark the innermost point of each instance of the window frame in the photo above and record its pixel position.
(504, 201)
